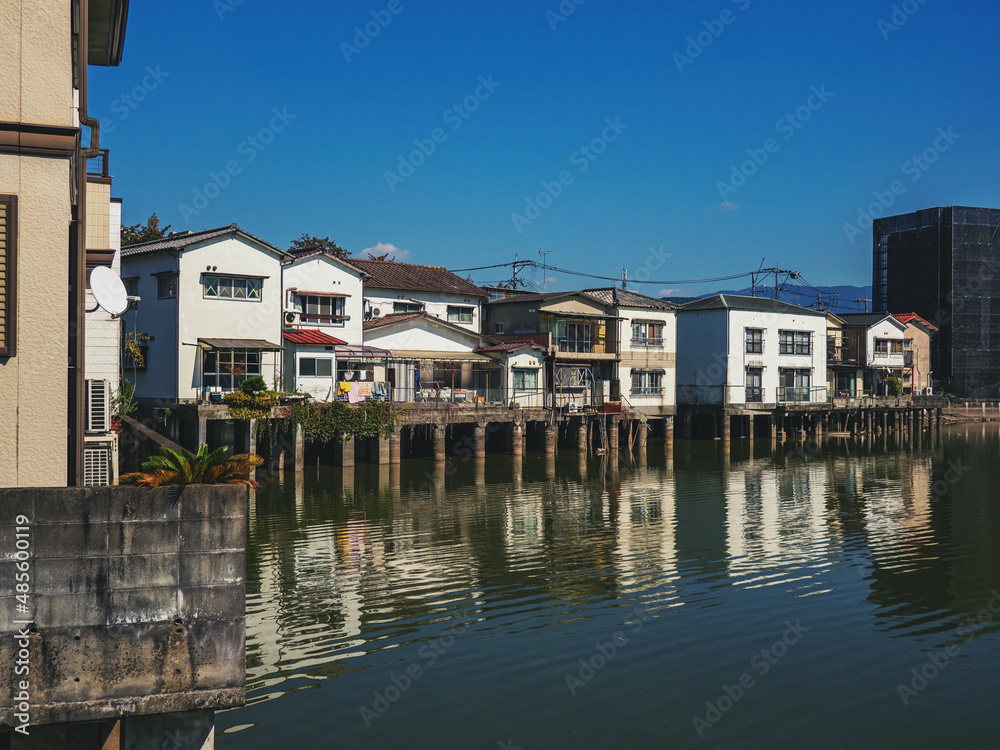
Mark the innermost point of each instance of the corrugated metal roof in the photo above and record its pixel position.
(510, 346)
(628, 298)
(387, 274)
(866, 320)
(437, 356)
(261, 344)
(310, 336)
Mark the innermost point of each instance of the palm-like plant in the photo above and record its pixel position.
(203, 467)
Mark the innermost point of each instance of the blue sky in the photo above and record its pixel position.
(281, 118)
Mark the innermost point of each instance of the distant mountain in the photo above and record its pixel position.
(835, 298)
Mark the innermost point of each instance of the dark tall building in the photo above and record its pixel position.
(944, 265)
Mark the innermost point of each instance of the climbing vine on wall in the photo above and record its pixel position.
(247, 406)
(329, 422)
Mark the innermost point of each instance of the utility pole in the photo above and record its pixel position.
(779, 271)
(543, 254)
(866, 300)
(624, 279)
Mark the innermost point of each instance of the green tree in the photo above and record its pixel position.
(151, 230)
(308, 242)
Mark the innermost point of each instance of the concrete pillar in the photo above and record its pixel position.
(517, 439)
(383, 451)
(202, 432)
(686, 425)
(551, 437)
(818, 429)
(613, 434)
(750, 426)
(347, 452)
(581, 436)
(642, 436)
(300, 447)
(439, 445)
(395, 445)
(773, 422)
(479, 441)
(668, 431)
(725, 425)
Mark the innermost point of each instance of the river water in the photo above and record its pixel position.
(836, 596)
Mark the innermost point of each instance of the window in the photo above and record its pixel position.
(525, 379)
(8, 275)
(796, 342)
(755, 340)
(647, 333)
(885, 347)
(499, 328)
(227, 368)
(311, 367)
(647, 383)
(794, 385)
(573, 337)
(131, 286)
(322, 309)
(459, 314)
(232, 287)
(755, 384)
(166, 286)
(406, 307)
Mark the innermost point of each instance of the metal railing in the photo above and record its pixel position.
(754, 394)
(576, 346)
(648, 391)
(97, 166)
(437, 396)
(802, 395)
(648, 342)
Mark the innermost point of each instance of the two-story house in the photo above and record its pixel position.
(322, 315)
(211, 307)
(393, 288)
(581, 332)
(750, 350)
(918, 378)
(646, 332)
(878, 340)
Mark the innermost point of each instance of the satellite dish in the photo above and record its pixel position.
(109, 291)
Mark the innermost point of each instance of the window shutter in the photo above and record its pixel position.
(8, 278)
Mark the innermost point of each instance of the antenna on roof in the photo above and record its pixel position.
(543, 253)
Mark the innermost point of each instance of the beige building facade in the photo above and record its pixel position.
(43, 231)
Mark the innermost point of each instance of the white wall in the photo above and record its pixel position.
(103, 334)
(771, 359)
(530, 359)
(886, 329)
(321, 273)
(202, 318)
(436, 304)
(649, 358)
(420, 335)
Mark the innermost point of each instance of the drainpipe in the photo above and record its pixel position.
(76, 398)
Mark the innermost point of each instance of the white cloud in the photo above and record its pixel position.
(385, 247)
(667, 292)
(551, 279)
(728, 206)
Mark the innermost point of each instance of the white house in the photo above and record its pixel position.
(520, 376)
(396, 288)
(745, 350)
(647, 347)
(428, 356)
(212, 309)
(322, 312)
(880, 340)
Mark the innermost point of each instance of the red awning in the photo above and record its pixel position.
(311, 336)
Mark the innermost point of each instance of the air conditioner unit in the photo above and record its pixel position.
(100, 460)
(289, 317)
(376, 312)
(98, 407)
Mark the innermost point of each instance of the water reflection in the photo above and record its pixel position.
(349, 571)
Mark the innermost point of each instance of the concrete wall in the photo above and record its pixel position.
(435, 303)
(137, 598)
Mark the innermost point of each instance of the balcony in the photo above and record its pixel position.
(97, 166)
(647, 343)
(802, 395)
(754, 394)
(647, 391)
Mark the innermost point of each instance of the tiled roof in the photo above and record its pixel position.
(628, 298)
(310, 336)
(387, 320)
(866, 320)
(907, 317)
(387, 274)
(510, 346)
(540, 297)
(751, 304)
(180, 240)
